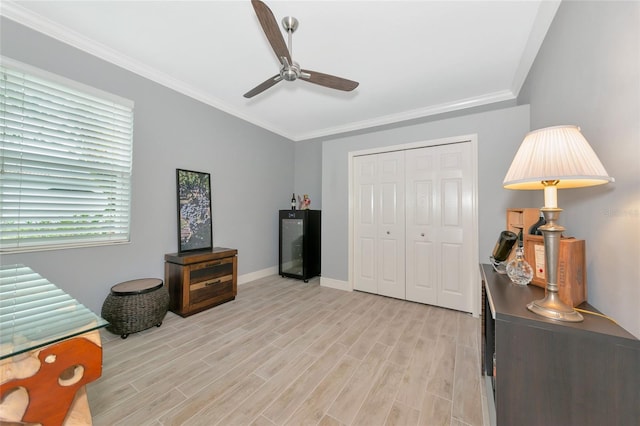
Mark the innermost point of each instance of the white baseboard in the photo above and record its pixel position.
(324, 282)
(256, 275)
(337, 284)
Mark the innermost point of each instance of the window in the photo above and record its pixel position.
(65, 162)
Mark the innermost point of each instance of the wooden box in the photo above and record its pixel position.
(572, 267)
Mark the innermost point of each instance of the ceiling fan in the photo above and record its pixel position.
(290, 70)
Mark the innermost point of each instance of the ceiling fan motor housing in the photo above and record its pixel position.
(290, 72)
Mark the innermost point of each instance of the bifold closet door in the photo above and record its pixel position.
(379, 224)
(439, 220)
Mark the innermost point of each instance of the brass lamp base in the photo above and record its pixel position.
(552, 307)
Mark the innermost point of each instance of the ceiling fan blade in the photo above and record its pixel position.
(328, 80)
(263, 86)
(271, 30)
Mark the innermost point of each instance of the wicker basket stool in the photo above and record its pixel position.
(135, 305)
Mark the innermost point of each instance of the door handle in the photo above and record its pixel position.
(388, 233)
(422, 234)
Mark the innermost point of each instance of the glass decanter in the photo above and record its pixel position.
(518, 269)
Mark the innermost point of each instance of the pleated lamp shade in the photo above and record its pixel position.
(557, 153)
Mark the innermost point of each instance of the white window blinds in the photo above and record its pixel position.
(65, 165)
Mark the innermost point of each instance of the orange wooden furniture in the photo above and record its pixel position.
(49, 350)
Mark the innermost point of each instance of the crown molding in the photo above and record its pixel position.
(486, 99)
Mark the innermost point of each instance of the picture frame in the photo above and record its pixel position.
(195, 224)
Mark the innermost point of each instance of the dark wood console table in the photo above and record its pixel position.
(199, 280)
(555, 373)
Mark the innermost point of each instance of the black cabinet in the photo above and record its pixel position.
(299, 254)
(546, 372)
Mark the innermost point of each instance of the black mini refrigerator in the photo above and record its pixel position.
(299, 254)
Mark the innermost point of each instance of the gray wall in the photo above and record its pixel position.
(308, 171)
(588, 73)
(251, 173)
(499, 135)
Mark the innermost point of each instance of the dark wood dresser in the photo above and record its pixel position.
(201, 279)
(545, 372)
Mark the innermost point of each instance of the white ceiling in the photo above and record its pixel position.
(412, 58)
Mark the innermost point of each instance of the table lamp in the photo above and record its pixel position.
(550, 159)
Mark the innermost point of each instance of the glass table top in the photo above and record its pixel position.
(36, 313)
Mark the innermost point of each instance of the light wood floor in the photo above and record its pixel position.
(289, 352)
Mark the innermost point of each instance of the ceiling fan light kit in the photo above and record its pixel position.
(290, 70)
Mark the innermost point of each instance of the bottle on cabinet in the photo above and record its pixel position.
(534, 229)
(501, 251)
(293, 201)
(518, 269)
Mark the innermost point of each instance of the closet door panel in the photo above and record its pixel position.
(423, 274)
(365, 224)
(368, 253)
(451, 202)
(391, 229)
(388, 256)
(422, 203)
(455, 224)
(365, 203)
(421, 229)
(389, 203)
(452, 257)
(451, 226)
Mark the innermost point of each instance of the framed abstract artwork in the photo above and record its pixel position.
(195, 228)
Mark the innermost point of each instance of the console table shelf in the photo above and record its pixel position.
(548, 372)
